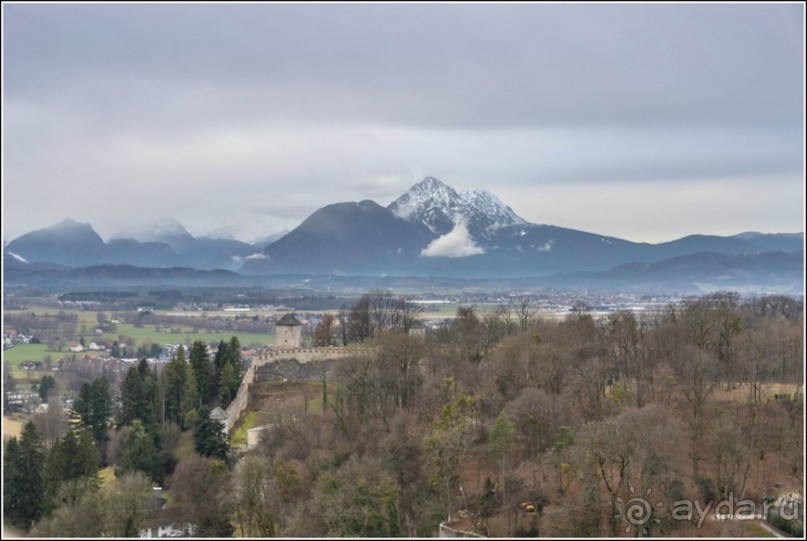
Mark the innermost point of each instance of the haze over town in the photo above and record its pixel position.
(647, 123)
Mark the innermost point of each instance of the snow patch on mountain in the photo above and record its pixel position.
(168, 227)
(484, 202)
(223, 233)
(166, 230)
(456, 243)
(17, 257)
(426, 195)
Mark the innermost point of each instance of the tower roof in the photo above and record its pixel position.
(288, 320)
(218, 414)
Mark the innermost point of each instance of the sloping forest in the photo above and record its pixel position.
(505, 423)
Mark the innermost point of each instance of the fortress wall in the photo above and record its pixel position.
(307, 355)
(274, 356)
(239, 403)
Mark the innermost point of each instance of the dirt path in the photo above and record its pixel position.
(758, 520)
(764, 526)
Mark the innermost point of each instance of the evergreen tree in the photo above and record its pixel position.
(72, 456)
(208, 437)
(131, 397)
(229, 370)
(45, 385)
(174, 375)
(24, 486)
(227, 381)
(219, 362)
(94, 407)
(222, 356)
(139, 398)
(139, 452)
(71, 468)
(234, 357)
(12, 479)
(201, 370)
(190, 398)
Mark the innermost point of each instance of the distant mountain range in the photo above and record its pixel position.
(165, 244)
(431, 230)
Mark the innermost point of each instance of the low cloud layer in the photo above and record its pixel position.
(547, 246)
(455, 243)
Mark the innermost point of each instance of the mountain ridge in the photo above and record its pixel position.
(472, 234)
(430, 230)
(691, 274)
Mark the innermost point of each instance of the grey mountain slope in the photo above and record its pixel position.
(352, 238)
(67, 243)
(263, 242)
(767, 242)
(206, 252)
(695, 273)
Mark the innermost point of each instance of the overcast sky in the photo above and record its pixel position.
(645, 122)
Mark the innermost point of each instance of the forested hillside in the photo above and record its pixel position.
(508, 424)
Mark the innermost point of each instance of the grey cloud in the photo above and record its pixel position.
(422, 65)
(266, 112)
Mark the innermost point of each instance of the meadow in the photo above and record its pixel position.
(180, 335)
(143, 335)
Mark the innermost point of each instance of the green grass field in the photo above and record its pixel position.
(239, 437)
(148, 333)
(37, 352)
(186, 336)
(27, 352)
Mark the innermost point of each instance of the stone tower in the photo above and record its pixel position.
(288, 332)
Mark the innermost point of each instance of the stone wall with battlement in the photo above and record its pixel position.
(272, 355)
(307, 355)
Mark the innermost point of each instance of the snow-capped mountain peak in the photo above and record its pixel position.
(167, 230)
(484, 202)
(427, 194)
(168, 227)
(440, 208)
